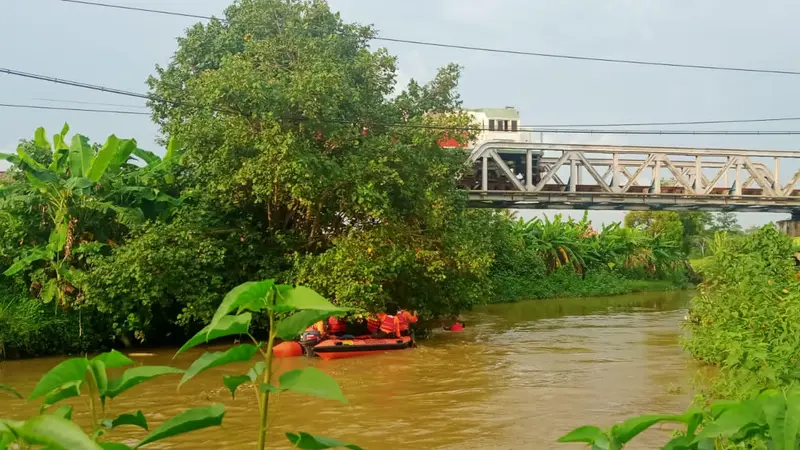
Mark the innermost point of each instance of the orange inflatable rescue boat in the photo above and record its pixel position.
(288, 349)
(359, 346)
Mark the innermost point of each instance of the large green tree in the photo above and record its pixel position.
(291, 125)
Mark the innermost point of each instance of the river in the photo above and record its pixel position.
(518, 377)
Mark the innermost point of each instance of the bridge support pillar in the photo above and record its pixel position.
(791, 227)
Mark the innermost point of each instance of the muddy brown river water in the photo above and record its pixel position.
(518, 377)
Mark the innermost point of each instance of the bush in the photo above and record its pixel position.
(29, 328)
(747, 317)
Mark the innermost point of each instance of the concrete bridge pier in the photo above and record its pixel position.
(791, 227)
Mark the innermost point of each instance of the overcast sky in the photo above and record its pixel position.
(120, 48)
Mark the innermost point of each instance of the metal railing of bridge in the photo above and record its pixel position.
(582, 176)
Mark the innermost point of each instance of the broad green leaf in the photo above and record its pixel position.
(294, 325)
(124, 151)
(137, 419)
(40, 138)
(58, 237)
(679, 443)
(56, 432)
(113, 359)
(28, 160)
(64, 129)
(103, 159)
(79, 184)
(71, 370)
(68, 390)
(232, 382)
(190, 420)
(587, 434)
(207, 361)
(64, 411)
(792, 418)
(302, 298)
(114, 446)
(146, 156)
(250, 294)
(227, 326)
(80, 156)
(13, 159)
(309, 442)
(719, 407)
(174, 148)
(627, 430)
(312, 381)
(733, 420)
(135, 376)
(10, 390)
(256, 371)
(43, 181)
(49, 291)
(37, 254)
(98, 370)
(774, 407)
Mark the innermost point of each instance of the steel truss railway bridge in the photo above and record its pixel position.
(611, 177)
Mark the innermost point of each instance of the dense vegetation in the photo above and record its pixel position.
(290, 155)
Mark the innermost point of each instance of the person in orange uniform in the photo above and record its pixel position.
(374, 322)
(336, 326)
(404, 320)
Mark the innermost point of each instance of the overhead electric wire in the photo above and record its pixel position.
(481, 49)
(116, 91)
(79, 102)
(61, 108)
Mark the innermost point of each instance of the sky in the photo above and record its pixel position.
(121, 48)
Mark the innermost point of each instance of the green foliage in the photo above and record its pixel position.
(64, 381)
(770, 419)
(747, 317)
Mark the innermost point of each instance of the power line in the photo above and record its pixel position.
(60, 108)
(78, 102)
(110, 90)
(480, 49)
(522, 126)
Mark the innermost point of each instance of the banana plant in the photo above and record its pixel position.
(53, 427)
(76, 187)
(289, 311)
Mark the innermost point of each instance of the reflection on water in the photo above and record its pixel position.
(520, 376)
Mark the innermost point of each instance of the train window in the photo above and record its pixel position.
(513, 125)
(505, 125)
(491, 124)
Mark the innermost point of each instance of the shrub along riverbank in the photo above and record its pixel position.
(286, 167)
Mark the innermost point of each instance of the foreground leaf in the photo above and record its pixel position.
(309, 442)
(292, 326)
(9, 389)
(248, 295)
(207, 361)
(113, 359)
(630, 428)
(68, 371)
(135, 376)
(114, 446)
(227, 326)
(98, 370)
(312, 381)
(190, 420)
(588, 434)
(69, 390)
(137, 419)
(733, 420)
(303, 298)
(56, 432)
(232, 382)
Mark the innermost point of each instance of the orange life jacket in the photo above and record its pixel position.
(374, 323)
(336, 325)
(390, 325)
